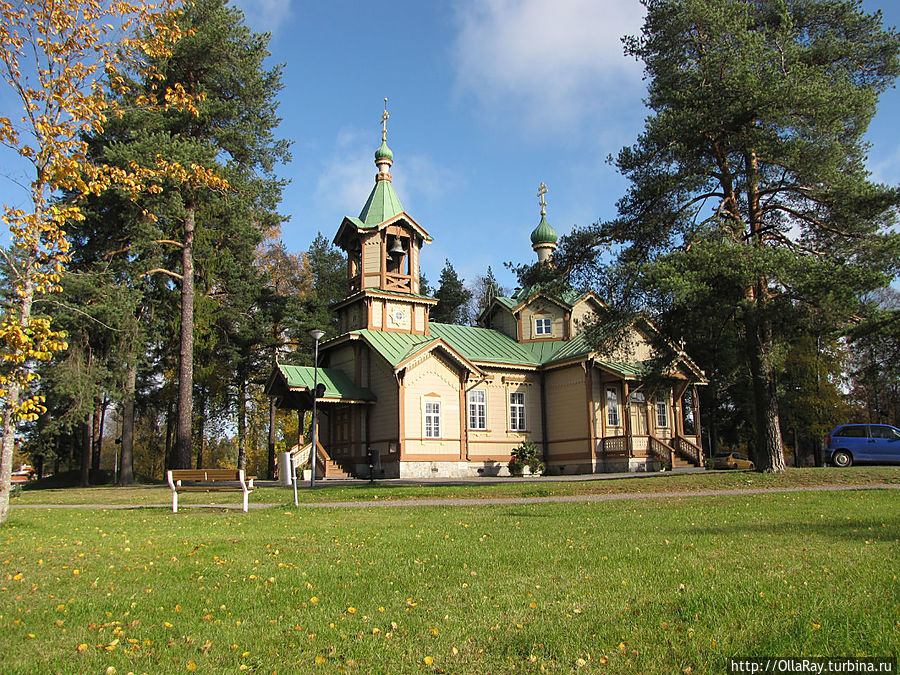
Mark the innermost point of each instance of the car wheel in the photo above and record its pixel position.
(842, 458)
(752, 466)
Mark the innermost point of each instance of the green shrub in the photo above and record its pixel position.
(527, 454)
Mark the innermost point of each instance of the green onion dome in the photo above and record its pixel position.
(543, 233)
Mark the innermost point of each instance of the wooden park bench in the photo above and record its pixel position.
(209, 480)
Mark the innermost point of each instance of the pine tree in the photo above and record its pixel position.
(452, 296)
(231, 133)
(750, 172)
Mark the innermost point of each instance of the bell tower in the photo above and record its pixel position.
(382, 246)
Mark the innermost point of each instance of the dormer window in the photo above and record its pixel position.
(543, 326)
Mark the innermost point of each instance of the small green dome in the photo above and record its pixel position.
(384, 152)
(543, 233)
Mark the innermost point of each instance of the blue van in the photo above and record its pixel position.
(851, 443)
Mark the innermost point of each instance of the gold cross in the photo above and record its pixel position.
(384, 119)
(543, 202)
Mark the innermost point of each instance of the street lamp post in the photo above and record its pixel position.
(316, 335)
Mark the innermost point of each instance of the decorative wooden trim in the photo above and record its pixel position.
(401, 427)
(557, 441)
(626, 409)
(383, 269)
(589, 398)
(516, 379)
(453, 454)
(463, 417)
(498, 441)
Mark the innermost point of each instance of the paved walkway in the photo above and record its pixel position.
(491, 501)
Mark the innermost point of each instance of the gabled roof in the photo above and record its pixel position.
(360, 225)
(301, 379)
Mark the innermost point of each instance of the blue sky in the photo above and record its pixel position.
(487, 99)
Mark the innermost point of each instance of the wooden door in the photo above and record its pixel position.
(638, 405)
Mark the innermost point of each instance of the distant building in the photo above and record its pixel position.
(439, 400)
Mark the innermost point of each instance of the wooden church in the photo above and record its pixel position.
(439, 400)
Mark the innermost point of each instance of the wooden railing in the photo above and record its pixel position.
(300, 457)
(687, 450)
(615, 446)
(660, 451)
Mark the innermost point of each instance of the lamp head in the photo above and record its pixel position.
(316, 334)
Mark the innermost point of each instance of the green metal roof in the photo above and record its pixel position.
(484, 345)
(569, 296)
(383, 204)
(337, 384)
(480, 345)
(544, 233)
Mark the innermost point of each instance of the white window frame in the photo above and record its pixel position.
(662, 413)
(612, 407)
(517, 419)
(477, 409)
(543, 326)
(431, 419)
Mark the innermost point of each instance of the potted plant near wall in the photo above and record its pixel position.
(526, 458)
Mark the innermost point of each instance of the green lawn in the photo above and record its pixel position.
(640, 483)
(651, 586)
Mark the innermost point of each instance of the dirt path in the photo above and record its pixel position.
(499, 501)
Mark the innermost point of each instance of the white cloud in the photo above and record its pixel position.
(265, 15)
(885, 167)
(559, 61)
(347, 175)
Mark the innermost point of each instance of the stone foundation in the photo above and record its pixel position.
(414, 470)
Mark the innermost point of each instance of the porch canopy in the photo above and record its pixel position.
(292, 387)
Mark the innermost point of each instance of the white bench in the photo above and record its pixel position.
(209, 480)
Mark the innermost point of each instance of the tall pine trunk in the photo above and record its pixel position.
(86, 437)
(760, 341)
(96, 435)
(183, 454)
(270, 457)
(126, 471)
(760, 351)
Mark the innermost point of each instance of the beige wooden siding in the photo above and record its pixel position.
(504, 321)
(419, 319)
(372, 262)
(582, 313)
(497, 441)
(567, 422)
(633, 346)
(342, 359)
(377, 312)
(435, 379)
(542, 309)
(384, 416)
